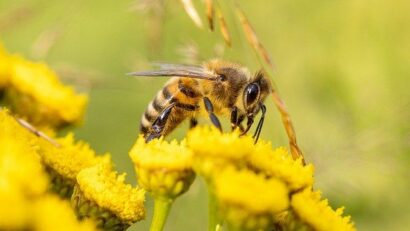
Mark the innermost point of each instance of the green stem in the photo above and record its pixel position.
(214, 222)
(162, 207)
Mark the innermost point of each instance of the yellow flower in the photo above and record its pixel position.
(36, 93)
(163, 168)
(4, 67)
(102, 194)
(214, 150)
(317, 213)
(249, 201)
(51, 213)
(65, 162)
(278, 163)
(19, 163)
(14, 209)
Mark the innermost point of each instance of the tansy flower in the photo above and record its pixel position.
(35, 92)
(102, 195)
(51, 213)
(14, 206)
(248, 201)
(20, 165)
(165, 170)
(4, 68)
(317, 214)
(63, 163)
(214, 150)
(278, 163)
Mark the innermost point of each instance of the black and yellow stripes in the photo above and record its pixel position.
(182, 94)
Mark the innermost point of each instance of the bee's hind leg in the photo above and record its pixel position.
(159, 124)
(210, 109)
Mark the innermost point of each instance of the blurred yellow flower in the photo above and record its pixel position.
(278, 163)
(15, 208)
(18, 158)
(214, 150)
(249, 201)
(317, 213)
(102, 186)
(4, 67)
(163, 168)
(35, 92)
(51, 213)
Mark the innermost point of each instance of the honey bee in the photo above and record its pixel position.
(217, 88)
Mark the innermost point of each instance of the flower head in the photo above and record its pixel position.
(317, 213)
(214, 150)
(19, 159)
(63, 163)
(29, 90)
(51, 213)
(4, 67)
(14, 206)
(278, 163)
(163, 168)
(249, 201)
(114, 202)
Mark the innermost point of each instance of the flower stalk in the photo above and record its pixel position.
(162, 206)
(214, 221)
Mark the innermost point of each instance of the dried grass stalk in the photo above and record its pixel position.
(288, 125)
(191, 11)
(210, 12)
(252, 38)
(224, 28)
(266, 60)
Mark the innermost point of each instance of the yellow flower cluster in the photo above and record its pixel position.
(317, 213)
(278, 163)
(163, 168)
(254, 184)
(103, 186)
(3, 68)
(33, 91)
(70, 157)
(248, 200)
(24, 200)
(64, 162)
(19, 159)
(51, 213)
(214, 150)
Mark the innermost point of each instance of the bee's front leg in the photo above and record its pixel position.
(236, 120)
(260, 123)
(159, 123)
(210, 109)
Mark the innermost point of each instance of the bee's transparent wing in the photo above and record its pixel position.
(180, 70)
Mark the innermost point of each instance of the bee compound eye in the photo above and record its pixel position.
(252, 92)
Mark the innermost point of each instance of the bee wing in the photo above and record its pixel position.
(180, 70)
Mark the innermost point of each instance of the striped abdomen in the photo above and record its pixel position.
(183, 94)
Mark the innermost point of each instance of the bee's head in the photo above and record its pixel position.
(255, 93)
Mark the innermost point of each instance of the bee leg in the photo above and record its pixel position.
(210, 109)
(234, 117)
(240, 120)
(159, 124)
(260, 124)
(236, 121)
(248, 124)
(193, 122)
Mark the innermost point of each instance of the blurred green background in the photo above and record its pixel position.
(343, 68)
